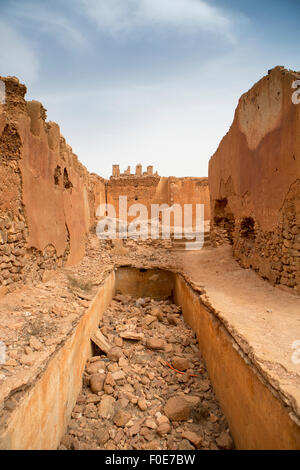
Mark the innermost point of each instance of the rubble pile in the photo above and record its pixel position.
(149, 389)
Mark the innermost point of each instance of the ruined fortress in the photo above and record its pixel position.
(239, 294)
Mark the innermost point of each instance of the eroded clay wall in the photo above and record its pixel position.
(254, 181)
(47, 197)
(190, 191)
(138, 189)
(148, 190)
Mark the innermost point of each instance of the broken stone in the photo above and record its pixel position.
(97, 382)
(150, 423)
(142, 404)
(35, 343)
(102, 436)
(172, 319)
(99, 339)
(28, 359)
(118, 341)
(132, 335)
(224, 441)
(149, 319)
(95, 367)
(162, 419)
(152, 445)
(155, 343)
(192, 400)
(194, 438)
(177, 409)
(107, 407)
(110, 380)
(185, 445)
(121, 418)
(115, 353)
(163, 428)
(118, 375)
(135, 429)
(180, 363)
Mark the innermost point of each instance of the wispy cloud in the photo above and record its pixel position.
(188, 16)
(48, 19)
(17, 57)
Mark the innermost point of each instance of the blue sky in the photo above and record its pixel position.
(145, 81)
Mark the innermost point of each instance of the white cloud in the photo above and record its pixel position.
(51, 22)
(188, 16)
(17, 57)
(62, 29)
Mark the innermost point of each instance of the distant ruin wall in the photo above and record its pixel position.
(47, 197)
(147, 190)
(190, 191)
(254, 181)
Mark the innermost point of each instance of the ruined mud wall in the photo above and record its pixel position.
(148, 190)
(139, 190)
(190, 191)
(46, 195)
(254, 181)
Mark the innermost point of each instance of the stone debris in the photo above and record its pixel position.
(180, 363)
(177, 409)
(132, 335)
(99, 339)
(132, 399)
(155, 343)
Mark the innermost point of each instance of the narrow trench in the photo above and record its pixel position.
(151, 392)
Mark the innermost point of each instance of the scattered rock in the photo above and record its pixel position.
(28, 359)
(155, 343)
(102, 436)
(118, 341)
(132, 335)
(162, 419)
(95, 367)
(131, 403)
(107, 407)
(152, 445)
(118, 375)
(99, 339)
(97, 382)
(172, 319)
(185, 445)
(180, 363)
(163, 428)
(35, 344)
(194, 438)
(177, 409)
(150, 423)
(110, 380)
(121, 418)
(149, 319)
(224, 441)
(142, 404)
(115, 353)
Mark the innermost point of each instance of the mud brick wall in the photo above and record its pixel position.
(190, 190)
(149, 190)
(254, 181)
(47, 197)
(138, 189)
